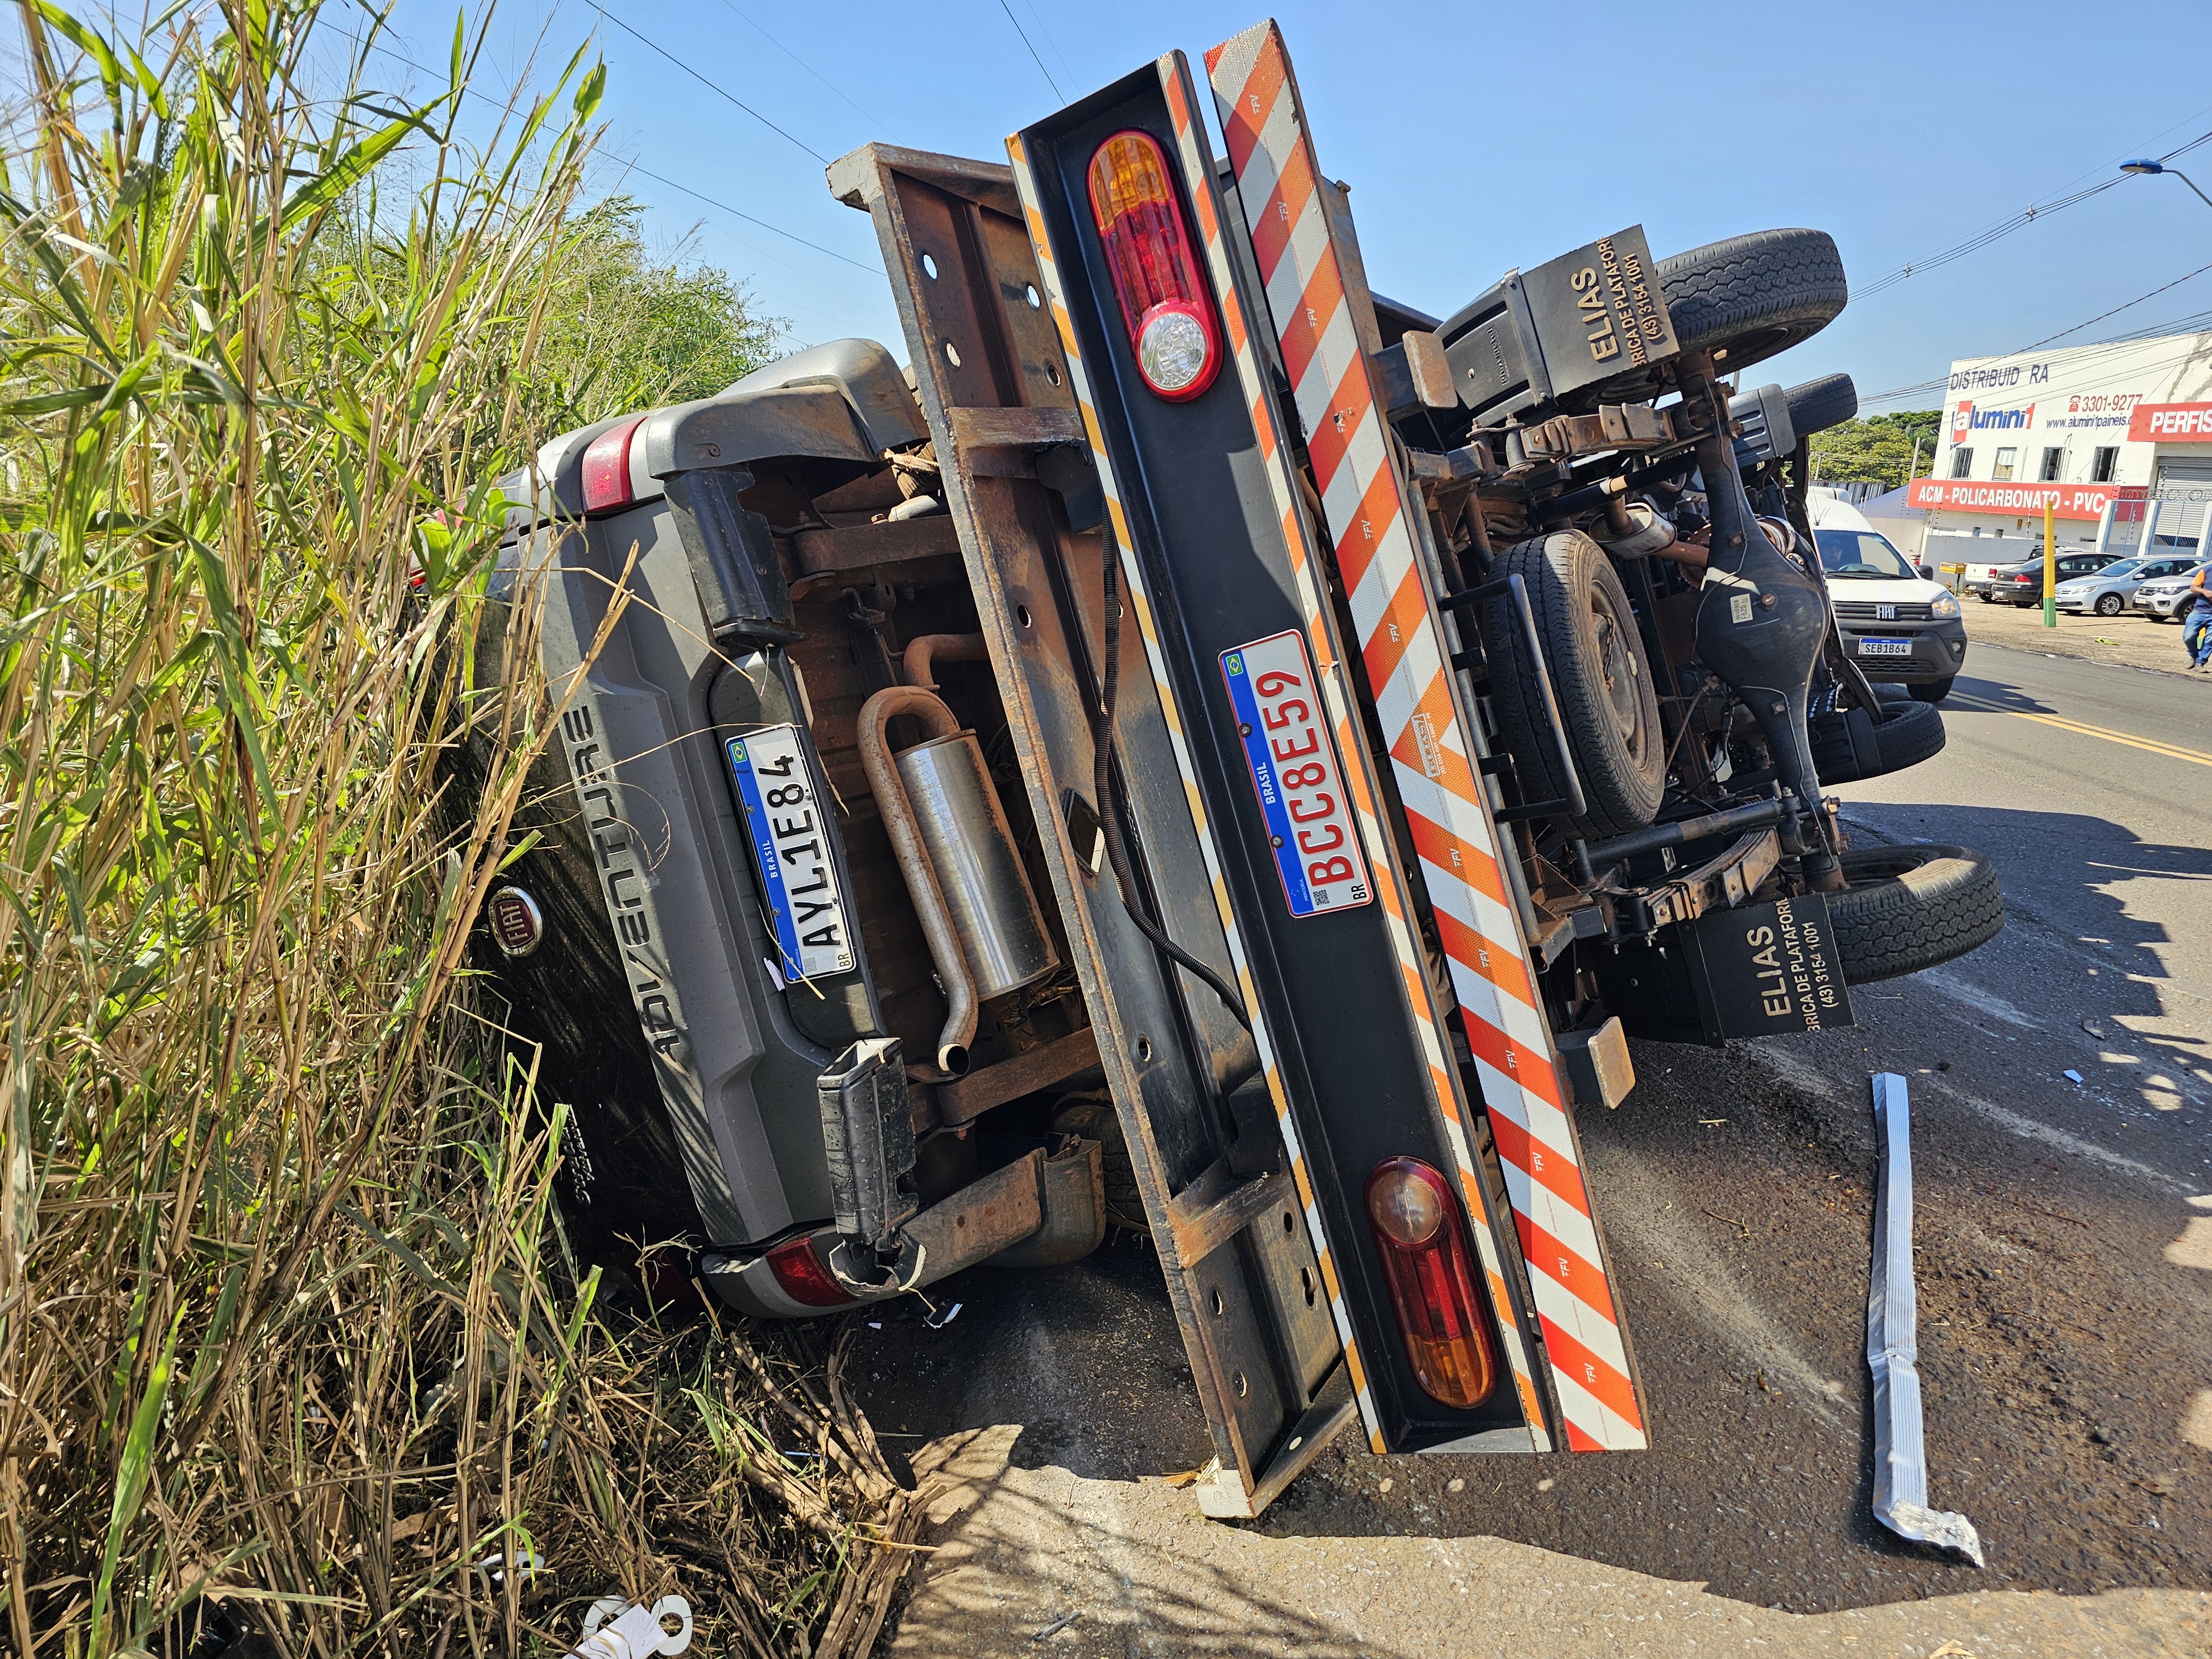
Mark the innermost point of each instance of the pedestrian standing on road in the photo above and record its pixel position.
(2196, 628)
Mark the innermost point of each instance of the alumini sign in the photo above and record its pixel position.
(1966, 419)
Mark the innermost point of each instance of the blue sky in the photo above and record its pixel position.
(1475, 138)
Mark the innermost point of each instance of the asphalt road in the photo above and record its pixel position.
(2064, 1237)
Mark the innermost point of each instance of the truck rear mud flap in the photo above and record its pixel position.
(1379, 1116)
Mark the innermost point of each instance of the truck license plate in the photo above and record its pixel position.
(799, 878)
(1280, 718)
(1885, 647)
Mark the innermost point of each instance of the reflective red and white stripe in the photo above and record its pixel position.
(1402, 641)
(1140, 606)
(1282, 482)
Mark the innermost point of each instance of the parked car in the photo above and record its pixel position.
(2022, 583)
(2108, 591)
(1978, 574)
(2162, 601)
(1896, 624)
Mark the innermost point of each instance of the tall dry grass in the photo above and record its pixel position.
(286, 1340)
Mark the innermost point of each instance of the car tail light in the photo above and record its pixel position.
(606, 466)
(1165, 307)
(806, 1278)
(1423, 1243)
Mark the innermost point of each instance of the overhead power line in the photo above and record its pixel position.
(872, 271)
(1025, 33)
(711, 86)
(722, 207)
(864, 115)
(1943, 383)
(2004, 228)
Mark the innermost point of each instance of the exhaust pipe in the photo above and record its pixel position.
(985, 929)
(922, 652)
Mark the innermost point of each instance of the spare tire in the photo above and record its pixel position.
(1594, 651)
(1848, 746)
(1910, 908)
(1816, 405)
(1749, 297)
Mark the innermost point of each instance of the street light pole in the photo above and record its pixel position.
(2147, 168)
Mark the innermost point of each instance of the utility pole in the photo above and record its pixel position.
(2050, 563)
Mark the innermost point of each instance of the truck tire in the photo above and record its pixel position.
(1816, 405)
(1911, 907)
(1603, 680)
(1928, 693)
(1909, 733)
(1751, 296)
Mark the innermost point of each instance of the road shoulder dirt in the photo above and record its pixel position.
(1039, 1561)
(2127, 640)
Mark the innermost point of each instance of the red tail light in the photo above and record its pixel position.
(1423, 1243)
(806, 1278)
(1165, 305)
(606, 466)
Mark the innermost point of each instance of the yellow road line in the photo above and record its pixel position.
(2164, 748)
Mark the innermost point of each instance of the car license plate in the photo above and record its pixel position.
(1280, 718)
(1885, 647)
(799, 878)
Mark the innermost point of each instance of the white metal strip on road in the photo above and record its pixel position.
(1900, 1453)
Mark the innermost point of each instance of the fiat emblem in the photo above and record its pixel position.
(517, 924)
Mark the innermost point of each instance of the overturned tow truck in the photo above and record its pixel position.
(1205, 747)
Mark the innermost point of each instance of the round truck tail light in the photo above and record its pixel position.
(806, 1278)
(1418, 1234)
(606, 466)
(1165, 307)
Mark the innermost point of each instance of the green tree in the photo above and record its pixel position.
(625, 330)
(1878, 449)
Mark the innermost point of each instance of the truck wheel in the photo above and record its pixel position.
(1932, 691)
(1911, 907)
(1603, 680)
(1910, 733)
(1751, 296)
(1816, 405)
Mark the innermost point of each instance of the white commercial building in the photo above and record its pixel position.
(2118, 438)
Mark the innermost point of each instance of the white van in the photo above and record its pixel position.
(1896, 623)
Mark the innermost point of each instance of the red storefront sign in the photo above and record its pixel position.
(2019, 500)
(2169, 423)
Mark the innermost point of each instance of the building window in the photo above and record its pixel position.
(1962, 463)
(2051, 458)
(2103, 464)
(2006, 461)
